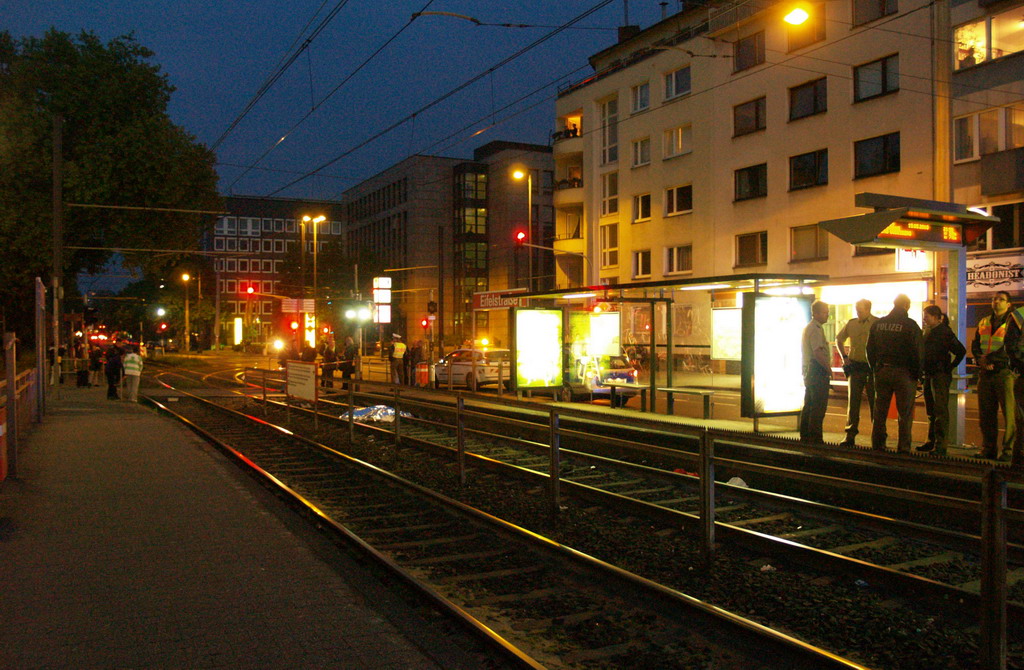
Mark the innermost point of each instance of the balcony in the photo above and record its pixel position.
(568, 193)
(567, 141)
(571, 245)
(1002, 172)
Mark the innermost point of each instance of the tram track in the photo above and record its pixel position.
(545, 604)
(648, 494)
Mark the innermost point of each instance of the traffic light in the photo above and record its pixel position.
(250, 290)
(520, 237)
(294, 325)
(432, 307)
(425, 323)
(163, 327)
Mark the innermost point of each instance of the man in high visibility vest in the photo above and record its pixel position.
(995, 379)
(397, 357)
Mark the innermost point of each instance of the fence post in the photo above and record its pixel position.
(993, 572)
(707, 493)
(554, 470)
(351, 410)
(398, 420)
(10, 360)
(460, 437)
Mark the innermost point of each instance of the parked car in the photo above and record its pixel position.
(458, 365)
(610, 368)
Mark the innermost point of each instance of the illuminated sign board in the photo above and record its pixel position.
(726, 328)
(914, 232)
(538, 348)
(771, 380)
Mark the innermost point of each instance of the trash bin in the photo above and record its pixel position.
(422, 374)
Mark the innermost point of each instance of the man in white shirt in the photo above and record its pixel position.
(855, 364)
(132, 363)
(817, 375)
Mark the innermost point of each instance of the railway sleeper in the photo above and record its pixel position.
(878, 543)
(417, 544)
(454, 558)
(944, 557)
(810, 532)
(537, 594)
(784, 516)
(371, 532)
(482, 576)
(564, 620)
(1012, 577)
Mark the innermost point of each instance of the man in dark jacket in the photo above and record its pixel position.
(995, 378)
(941, 354)
(894, 354)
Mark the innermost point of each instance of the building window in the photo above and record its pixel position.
(335, 227)
(988, 131)
(678, 141)
(679, 259)
(876, 78)
(869, 10)
(610, 131)
(808, 99)
(810, 169)
(232, 244)
(679, 200)
(641, 263)
(751, 182)
(231, 225)
(289, 225)
(677, 82)
(278, 246)
(642, 152)
(752, 248)
(218, 244)
(278, 225)
(230, 265)
(808, 243)
(609, 245)
(748, 52)
(748, 117)
(988, 38)
(641, 207)
(268, 246)
(268, 266)
(243, 245)
(609, 193)
(641, 97)
(268, 225)
(810, 31)
(231, 285)
(243, 265)
(877, 155)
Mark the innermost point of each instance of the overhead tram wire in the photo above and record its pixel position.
(505, 61)
(279, 72)
(327, 97)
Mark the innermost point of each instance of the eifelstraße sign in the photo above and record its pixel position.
(499, 299)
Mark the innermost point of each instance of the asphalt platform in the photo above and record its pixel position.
(127, 542)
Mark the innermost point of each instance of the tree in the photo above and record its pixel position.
(119, 148)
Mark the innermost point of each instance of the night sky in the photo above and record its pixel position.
(218, 55)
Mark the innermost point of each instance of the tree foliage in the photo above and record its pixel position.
(119, 147)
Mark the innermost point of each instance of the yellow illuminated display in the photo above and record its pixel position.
(538, 348)
(922, 231)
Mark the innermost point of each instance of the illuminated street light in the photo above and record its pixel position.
(518, 176)
(188, 335)
(797, 17)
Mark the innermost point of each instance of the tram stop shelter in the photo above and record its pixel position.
(735, 334)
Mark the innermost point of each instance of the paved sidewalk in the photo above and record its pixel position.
(127, 542)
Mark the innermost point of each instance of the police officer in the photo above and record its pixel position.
(894, 354)
(995, 379)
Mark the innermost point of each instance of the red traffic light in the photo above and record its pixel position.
(163, 326)
(520, 237)
(250, 290)
(424, 322)
(294, 325)
(325, 330)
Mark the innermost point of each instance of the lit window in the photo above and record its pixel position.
(678, 141)
(609, 245)
(988, 38)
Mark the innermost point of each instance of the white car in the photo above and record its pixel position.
(458, 366)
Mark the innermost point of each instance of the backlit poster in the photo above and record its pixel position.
(538, 348)
(726, 334)
(772, 379)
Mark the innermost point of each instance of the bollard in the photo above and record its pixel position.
(460, 437)
(398, 421)
(554, 475)
(707, 493)
(993, 572)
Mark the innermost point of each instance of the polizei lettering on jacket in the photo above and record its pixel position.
(889, 327)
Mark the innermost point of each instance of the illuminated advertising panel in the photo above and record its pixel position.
(772, 382)
(538, 348)
(726, 331)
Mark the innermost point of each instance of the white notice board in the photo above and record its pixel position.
(301, 380)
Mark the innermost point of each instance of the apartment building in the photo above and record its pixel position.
(443, 229)
(253, 245)
(713, 142)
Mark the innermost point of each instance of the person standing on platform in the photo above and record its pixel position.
(817, 375)
(412, 359)
(397, 358)
(894, 353)
(349, 358)
(132, 363)
(940, 355)
(995, 378)
(113, 371)
(329, 355)
(95, 364)
(855, 365)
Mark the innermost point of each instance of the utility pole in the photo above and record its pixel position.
(58, 233)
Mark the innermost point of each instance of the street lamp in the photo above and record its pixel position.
(518, 175)
(316, 224)
(188, 335)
